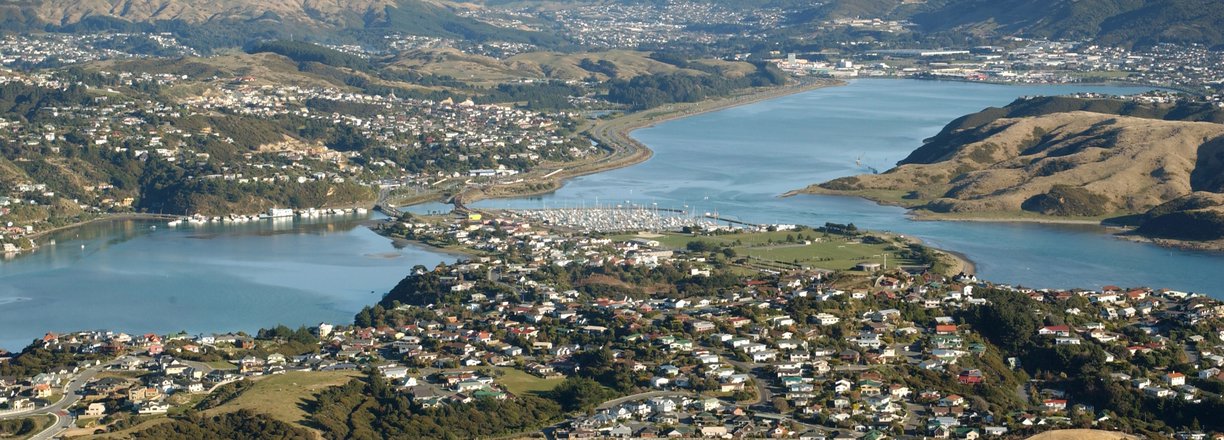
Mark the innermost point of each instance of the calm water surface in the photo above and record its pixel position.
(738, 161)
(207, 278)
(735, 162)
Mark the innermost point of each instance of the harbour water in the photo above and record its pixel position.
(736, 162)
(125, 276)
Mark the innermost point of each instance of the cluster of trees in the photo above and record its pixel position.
(370, 408)
(22, 101)
(33, 360)
(552, 95)
(1067, 200)
(617, 378)
(300, 335)
(839, 229)
(580, 393)
(18, 428)
(647, 91)
(303, 52)
(1010, 322)
(164, 187)
(241, 425)
(421, 288)
(605, 67)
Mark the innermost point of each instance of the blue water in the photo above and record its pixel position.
(738, 161)
(735, 162)
(209, 278)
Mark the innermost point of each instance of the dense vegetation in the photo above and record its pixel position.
(1185, 225)
(19, 428)
(1068, 201)
(25, 101)
(552, 95)
(165, 189)
(306, 52)
(371, 408)
(33, 360)
(241, 425)
(646, 91)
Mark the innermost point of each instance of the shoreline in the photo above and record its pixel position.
(960, 262)
(925, 216)
(617, 131)
(1214, 246)
(1046, 221)
(615, 135)
(107, 217)
(1111, 83)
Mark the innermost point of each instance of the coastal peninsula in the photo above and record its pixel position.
(1135, 161)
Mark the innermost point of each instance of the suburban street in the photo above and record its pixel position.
(72, 395)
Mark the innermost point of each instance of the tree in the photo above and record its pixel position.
(1008, 320)
(780, 404)
(579, 393)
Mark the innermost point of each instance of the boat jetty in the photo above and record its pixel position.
(272, 214)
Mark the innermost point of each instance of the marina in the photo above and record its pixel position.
(617, 219)
(738, 161)
(227, 275)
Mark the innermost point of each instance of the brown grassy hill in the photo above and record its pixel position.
(1062, 164)
(484, 70)
(321, 12)
(544, 65)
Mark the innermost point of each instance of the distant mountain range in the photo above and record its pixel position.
(1160, 166)
(225, 23)
(228, 23)
(1119, 22)
(1116, 22)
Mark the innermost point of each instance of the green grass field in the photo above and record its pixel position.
(222, 365)
(519, 382)
(832, 252)
(283, 395)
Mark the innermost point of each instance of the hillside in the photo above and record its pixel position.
(228, 23)
(1121, 22)
(1198, 217)
(1115, 22)
(1065, 158)
(577, 66)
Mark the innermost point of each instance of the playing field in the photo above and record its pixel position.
(519, 382)
(831, 252)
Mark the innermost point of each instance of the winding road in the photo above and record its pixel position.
(72, 395)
